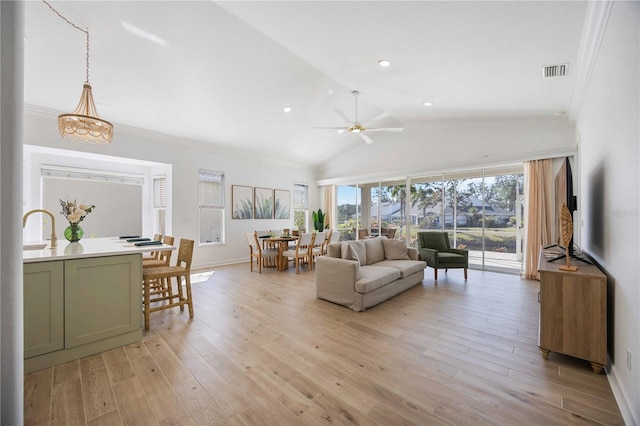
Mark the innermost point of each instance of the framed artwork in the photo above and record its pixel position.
(263, 203)
(242, 202)
(281, 204)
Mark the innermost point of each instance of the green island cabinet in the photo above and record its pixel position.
(79, 307)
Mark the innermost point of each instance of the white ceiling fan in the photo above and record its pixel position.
(356, 127)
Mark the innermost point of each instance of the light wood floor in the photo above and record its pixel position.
(263, 350)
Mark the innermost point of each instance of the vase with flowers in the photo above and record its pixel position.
(74, 213)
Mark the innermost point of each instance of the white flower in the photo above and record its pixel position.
(74, 217)
(83, 207)
(81, 212)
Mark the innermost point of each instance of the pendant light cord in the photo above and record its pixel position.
(77, 28)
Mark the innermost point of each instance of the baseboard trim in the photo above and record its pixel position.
(621, 396)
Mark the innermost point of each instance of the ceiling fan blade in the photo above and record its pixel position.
(343, 115)
(366, 138)
(386, 129)
(378, 118)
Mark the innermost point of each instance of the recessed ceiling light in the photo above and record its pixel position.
(287, 109)
(341, 131)
(427, 104)
(384, 62)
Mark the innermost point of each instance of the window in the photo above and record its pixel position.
(300, 205)
(159, 204)
(211, 200)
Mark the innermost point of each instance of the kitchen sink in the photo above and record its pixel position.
(39, 246)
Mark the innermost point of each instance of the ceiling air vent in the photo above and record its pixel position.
(555, 70)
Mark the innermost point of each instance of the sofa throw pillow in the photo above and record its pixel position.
(375, 250)
(395, 250)
(361, 251)
(354, 256)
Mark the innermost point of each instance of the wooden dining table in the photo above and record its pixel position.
(281, 242)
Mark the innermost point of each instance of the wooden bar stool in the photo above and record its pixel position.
(180, 270)
(163, 259)
(153, 254)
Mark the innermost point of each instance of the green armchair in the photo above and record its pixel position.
(435, 249)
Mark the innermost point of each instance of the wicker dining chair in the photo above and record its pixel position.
(182, 270)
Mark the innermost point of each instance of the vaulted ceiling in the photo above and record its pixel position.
(222, 72)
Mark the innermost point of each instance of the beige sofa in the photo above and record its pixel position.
(360, 274)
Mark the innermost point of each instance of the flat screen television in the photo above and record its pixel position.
(564, 194)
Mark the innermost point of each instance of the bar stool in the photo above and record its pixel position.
(154, 254)
(163, 259)
(182, 269)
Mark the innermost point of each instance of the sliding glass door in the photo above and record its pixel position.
(349, 210)
(481, 210)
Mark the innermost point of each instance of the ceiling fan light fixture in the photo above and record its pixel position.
(384, 63)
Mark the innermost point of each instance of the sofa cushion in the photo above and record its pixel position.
(451, 257)
(373, 277)
(405, 267)
(395, 250)
(375, 250)
(359, 250)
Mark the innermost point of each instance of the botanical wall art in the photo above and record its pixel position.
(263, 203)
(281, 204)
(242, 202)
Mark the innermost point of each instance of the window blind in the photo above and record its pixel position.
(300, 196)
(160, 192)
(211, 189)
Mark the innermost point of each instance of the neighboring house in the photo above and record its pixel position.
(391, 213)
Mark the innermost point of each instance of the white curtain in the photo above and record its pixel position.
(329, 196)
(539, 200)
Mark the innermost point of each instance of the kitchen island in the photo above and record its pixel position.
(81, 298)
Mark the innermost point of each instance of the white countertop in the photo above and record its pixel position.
(87, 247)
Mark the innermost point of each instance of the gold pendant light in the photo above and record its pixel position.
(84, 125)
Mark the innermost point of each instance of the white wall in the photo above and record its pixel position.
(441, 146)
(185, 158)
(608, 132)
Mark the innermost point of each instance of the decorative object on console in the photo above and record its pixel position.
(566, 225)
(74, 213)
(84, 124)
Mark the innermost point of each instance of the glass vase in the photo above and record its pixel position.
(73, 233)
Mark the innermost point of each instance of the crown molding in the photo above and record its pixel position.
(595, 25)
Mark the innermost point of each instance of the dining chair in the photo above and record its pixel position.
(333, 237)
(258, 252)
(391, 233)
(318, 245)
(181, 270)
(363, 233)
(302, 251)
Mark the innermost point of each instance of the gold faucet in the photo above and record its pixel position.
(54, 239)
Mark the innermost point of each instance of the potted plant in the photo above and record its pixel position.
(318, 221)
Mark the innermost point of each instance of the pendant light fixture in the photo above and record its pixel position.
(84, 125)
